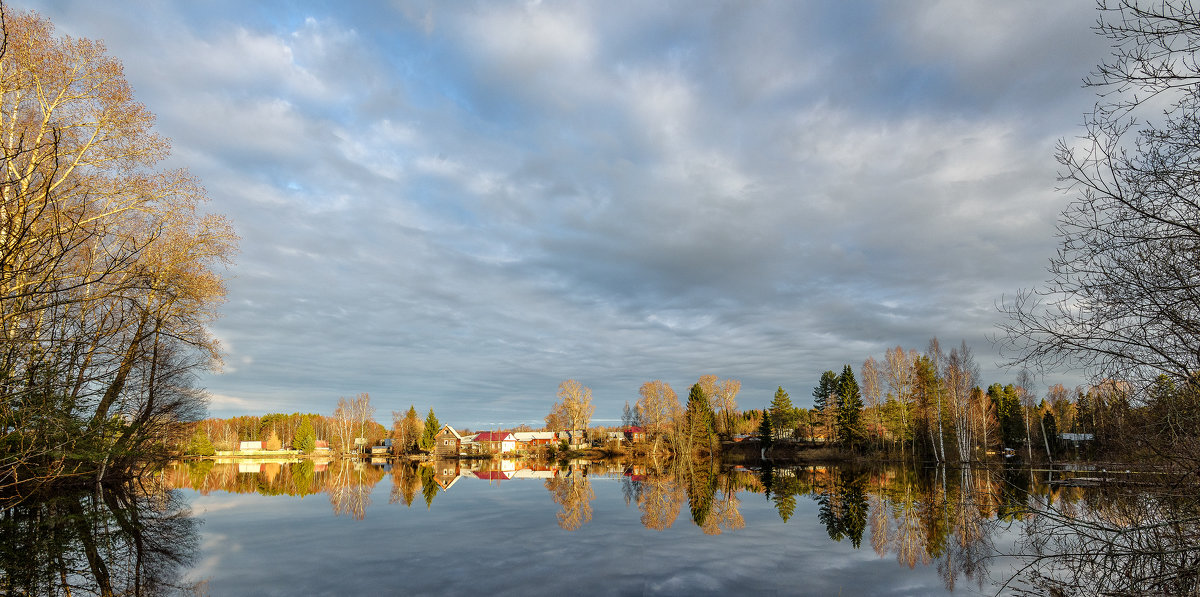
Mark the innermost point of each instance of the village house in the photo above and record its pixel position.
(634, 433)
(384, 448)
(256, 446)
(531, 439)
(496, 442)
(447, 443)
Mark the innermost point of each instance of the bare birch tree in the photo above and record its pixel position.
(576, 400)
(660, 408)
(871, 375)
(960, 373)
(900, 378)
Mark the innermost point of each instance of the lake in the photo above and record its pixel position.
(349, 527)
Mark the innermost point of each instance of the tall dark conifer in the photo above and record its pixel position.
(850, 405)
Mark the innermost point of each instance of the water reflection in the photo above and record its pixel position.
(947, 519)
(131, 539)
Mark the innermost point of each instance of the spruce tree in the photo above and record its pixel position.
(699, 417)
(765, 433)
(432, 427)
(850, 405)
(782, 411)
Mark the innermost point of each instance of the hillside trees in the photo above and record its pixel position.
(107, 268)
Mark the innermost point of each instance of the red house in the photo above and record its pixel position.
(496, 442)
(634, 433)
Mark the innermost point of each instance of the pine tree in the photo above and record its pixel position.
(782, 411)
(849, 411)
(432, 427)
(306, 437)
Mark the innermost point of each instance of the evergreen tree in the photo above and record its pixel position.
(825, 403)
(306, 437)
(782, 412)
(824, 393)
(850, 404)
(432, 427)
(765, 432)
(200, 445)
(699, 418)
(1008, 414)
(1051, 430)
(627, 416)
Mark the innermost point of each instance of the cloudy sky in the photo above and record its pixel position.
(460, 205)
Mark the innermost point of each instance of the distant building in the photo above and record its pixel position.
(447, 443)
(250, 446)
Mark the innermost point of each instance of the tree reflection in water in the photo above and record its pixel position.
(1125, 540)
(1136, 540)
(131, 539)
(660, 499)
(573, 493)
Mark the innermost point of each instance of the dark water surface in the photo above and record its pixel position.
(593, 528)
(512, 528)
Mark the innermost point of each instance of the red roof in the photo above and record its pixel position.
(493, 475)
(494, 436)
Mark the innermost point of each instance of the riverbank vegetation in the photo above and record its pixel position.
(108, 269)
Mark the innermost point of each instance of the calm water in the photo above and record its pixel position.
(510, 528)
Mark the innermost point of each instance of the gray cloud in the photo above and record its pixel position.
(460, 206)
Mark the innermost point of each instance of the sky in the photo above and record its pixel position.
(459, 205)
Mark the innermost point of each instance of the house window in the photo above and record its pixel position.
(445, 442)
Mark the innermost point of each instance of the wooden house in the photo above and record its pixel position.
(447, 443)
(250, 446)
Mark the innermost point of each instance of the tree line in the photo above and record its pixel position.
(348, 429)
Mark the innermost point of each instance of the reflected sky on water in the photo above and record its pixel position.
(567, 532)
